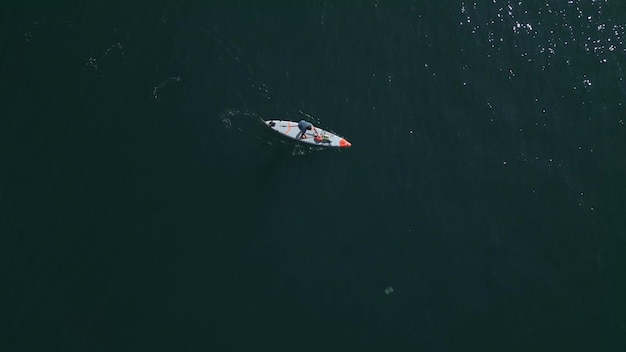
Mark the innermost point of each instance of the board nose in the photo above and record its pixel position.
(344, 143)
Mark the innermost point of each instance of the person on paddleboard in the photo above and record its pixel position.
(306, 126)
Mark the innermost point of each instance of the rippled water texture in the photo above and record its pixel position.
(145, 206)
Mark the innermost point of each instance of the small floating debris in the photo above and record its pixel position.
(389, 290)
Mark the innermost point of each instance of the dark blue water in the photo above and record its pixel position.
(144, 206)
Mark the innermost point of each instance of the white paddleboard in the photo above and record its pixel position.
(291, 130)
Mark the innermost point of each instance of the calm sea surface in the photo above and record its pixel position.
(145, 207)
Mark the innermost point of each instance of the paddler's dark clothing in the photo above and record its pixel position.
(304, 126)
